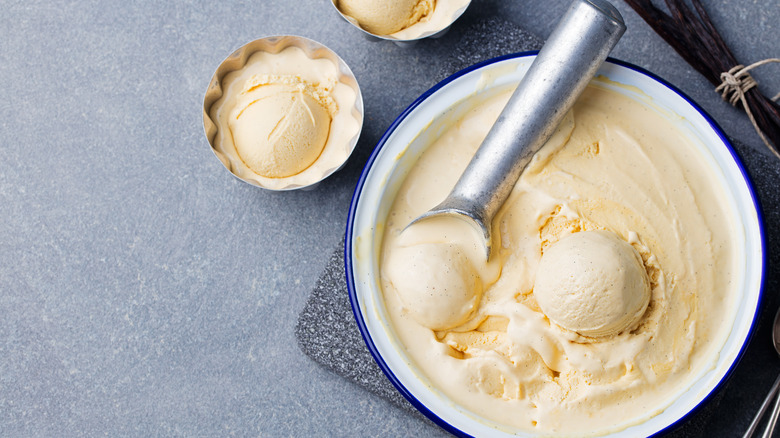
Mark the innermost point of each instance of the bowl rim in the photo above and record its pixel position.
(350, 234)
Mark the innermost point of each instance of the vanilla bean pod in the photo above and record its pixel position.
(692, 35)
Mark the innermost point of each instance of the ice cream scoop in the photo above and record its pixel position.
(384, 17)
(279, 126)
(567, 62)
(592, 283)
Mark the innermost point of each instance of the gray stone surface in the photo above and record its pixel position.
(146, 292)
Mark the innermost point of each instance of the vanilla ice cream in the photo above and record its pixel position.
(285, 118)
(402, 19)
(592, 283)
(610, 285)
(280, 124)
(385, 17)
(438, 295)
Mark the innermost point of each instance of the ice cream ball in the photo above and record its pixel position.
(385, 17)
(592, 283)
(279, 130)
(436, 283)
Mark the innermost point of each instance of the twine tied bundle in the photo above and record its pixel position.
(691, 33)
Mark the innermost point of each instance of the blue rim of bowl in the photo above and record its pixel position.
(382, 141)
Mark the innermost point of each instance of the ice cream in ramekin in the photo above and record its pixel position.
(637, 184)
(283, 113)
(401, 20)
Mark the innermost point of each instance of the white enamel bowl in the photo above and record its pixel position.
(413, 130)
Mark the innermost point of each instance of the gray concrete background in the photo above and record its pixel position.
(146, 292)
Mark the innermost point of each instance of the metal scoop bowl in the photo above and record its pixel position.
(559, 74)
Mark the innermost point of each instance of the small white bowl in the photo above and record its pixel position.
(402, 144)
(333, 157)
(414, 33)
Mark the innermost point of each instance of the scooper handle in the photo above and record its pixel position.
(567, 62)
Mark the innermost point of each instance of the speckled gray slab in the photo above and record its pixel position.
(327, 333)
(326, 330)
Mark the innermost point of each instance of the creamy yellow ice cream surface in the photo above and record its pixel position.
(621, 175)
(280, 125)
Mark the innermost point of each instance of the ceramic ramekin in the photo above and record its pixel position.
(413, 130)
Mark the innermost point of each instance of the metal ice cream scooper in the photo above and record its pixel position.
(559, 74)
